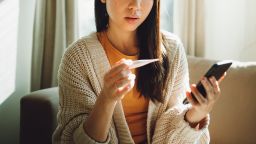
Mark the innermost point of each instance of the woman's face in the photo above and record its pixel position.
(128, 15)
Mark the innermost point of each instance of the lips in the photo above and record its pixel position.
(132, 20)
(132, 17)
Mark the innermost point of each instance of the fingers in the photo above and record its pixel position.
(119, 71)
(116, 69)
(124, 74)
(208, 88)
(123, 82)
(212, 87)
(122, 91)
(199, 97)
(204, 105)
(212, 91)
(119, 80)
(216, 88)
(222, 77)
(190, 98)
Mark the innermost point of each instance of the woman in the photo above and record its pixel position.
(103, 101)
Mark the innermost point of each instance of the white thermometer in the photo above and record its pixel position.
(142, 62)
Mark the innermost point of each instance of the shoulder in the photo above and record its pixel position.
(81, 46)
(172, 44)
(171, 39)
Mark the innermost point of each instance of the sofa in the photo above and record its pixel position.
(233, 119)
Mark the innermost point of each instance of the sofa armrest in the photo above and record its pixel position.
(38, 111)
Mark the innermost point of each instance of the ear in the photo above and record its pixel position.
(103, 1)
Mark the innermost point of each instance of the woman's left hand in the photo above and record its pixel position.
(202, 106)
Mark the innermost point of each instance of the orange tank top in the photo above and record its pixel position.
(135, 106)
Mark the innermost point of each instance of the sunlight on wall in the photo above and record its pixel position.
(86, 17)
(230, 29)
(8, 46)
(167, 15)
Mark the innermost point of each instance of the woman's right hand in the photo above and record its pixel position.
(118, 81)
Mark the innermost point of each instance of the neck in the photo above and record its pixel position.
(124, 41)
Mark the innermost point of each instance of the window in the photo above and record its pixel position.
(86, 17)
(167, 15)
(87, 23)
(8, 46)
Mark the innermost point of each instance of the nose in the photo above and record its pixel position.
(135, 5)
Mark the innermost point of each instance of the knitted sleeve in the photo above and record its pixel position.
(76, 98)
(171, 126)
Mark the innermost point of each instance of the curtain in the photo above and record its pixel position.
(55, 27)
(188, 22)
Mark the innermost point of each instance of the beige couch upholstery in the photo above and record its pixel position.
(232, 120)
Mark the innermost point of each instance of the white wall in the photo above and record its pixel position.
(10, 109)
(9, 11)
(166, 15)
(230, 30)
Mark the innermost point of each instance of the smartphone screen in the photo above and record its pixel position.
(217, 70)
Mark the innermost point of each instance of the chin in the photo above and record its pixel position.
(131, 28)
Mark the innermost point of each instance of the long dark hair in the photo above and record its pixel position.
(152, 78)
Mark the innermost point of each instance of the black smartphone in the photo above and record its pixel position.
(217, 70)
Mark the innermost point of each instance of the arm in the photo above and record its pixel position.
(77, 98)
(117, 82)
(98, 123)
(84, 117)
(171, 126)
(202, 106)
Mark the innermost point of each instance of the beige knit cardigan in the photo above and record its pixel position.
(81, 80)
